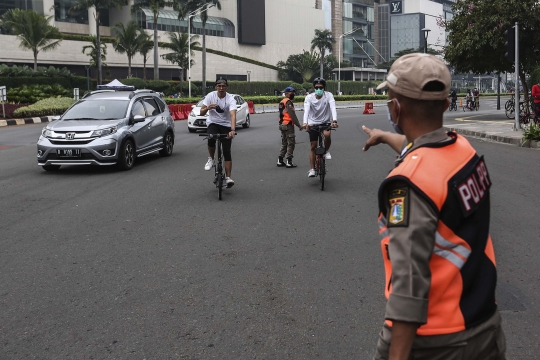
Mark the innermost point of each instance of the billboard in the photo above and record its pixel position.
(251, 22)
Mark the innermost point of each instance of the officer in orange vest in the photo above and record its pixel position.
(434, 223)
(287, 120)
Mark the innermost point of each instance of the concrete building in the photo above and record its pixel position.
(259, 30)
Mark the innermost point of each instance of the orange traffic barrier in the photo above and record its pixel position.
(460, 102)
(368, 108)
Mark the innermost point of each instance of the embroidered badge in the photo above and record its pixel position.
(398, 207)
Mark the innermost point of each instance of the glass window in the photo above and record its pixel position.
(138, 109)
(151, 107)
(97, 110)
(161, 105)
(62, 13)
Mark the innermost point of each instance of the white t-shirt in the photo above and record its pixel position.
(228, 103)
(319, 111)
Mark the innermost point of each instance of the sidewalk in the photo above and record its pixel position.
(499, 131)
(34, 120)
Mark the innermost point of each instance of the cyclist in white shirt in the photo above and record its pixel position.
(221, 109)
(319, 109)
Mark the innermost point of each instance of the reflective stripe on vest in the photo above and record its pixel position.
(463, 274)
(285, 116)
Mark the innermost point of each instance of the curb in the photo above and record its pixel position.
(484, 136)
(34, 120)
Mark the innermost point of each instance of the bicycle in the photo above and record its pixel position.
(219, 169)
(453, 106)
(469, 105)
(320, 151)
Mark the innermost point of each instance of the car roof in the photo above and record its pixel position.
(118, 95)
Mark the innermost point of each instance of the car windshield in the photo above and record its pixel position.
(97, 110)
(200, 103)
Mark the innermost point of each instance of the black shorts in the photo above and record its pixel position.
(225, 143)
(314, 134)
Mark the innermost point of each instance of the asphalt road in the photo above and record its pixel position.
(148, 264)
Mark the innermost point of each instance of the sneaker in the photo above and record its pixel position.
(209, 164)
(327, 156)
(290, 164)
(280, 162)
(229, 182)
(311, 173)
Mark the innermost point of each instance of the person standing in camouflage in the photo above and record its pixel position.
(287, 121)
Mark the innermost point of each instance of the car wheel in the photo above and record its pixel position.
(246, 123)
(126, 158)
(51, 167)
(168, 143)
(192, 130)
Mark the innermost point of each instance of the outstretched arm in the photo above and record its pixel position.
(376, 137)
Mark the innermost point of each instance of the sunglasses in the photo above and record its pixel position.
(319, 87)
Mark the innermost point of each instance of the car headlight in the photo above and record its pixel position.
(46, 132)
(192, 114)
(105, 132)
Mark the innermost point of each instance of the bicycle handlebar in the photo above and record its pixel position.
(216, 136)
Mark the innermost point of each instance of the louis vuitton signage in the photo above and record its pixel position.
(396, 7)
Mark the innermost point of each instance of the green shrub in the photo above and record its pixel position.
(277, 99)
(34, 93)
(137, 82)
(532, 132)
(158, 85)
(46, 107)
(306, 86)
(15, 82)
(16, 71)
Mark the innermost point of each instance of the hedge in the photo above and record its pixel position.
(46, 107)
(277, 99)
(66, 82)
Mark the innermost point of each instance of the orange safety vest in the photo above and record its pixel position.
(463, 268)
(284, 116)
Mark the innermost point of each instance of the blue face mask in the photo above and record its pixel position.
(397, 129)
(319, 92)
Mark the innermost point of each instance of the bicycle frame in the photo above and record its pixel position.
(219, 171)
(320, 151)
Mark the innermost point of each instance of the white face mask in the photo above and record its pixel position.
(397, 129)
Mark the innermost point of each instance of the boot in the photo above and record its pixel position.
(290, 164)
(280, 162)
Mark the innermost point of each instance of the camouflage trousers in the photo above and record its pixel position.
(288, 140)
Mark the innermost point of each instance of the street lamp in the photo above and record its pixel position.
(190, 15)
(249, 82)
(181, 80)
(87, 76)
(339, 57)
(426, 33)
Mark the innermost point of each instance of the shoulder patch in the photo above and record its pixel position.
(398, 214)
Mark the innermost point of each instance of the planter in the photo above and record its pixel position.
(526, 143)
(534, 144)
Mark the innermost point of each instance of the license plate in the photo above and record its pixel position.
(68, 153)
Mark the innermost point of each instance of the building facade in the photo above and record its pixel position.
(267, 31)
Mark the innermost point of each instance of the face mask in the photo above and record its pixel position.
(319, 92)
(291, 97)
(397, 129)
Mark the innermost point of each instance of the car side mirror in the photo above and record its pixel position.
(54, 118)
(138, 119)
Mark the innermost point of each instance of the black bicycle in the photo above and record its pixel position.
(320, 151)
(219, 169)
(453, 106)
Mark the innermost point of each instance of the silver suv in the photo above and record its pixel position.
(108, 127)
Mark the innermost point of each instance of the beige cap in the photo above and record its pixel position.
(410, 73)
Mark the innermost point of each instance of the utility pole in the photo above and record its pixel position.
(516, 105)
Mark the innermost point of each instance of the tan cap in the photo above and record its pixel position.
(410, 73)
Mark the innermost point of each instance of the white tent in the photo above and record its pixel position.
(116, 85)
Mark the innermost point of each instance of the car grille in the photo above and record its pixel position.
(84, 156)
(70, 142)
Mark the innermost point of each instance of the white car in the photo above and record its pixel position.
(197, 122)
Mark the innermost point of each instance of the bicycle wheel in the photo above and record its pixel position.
(219, 171)
(509, 111)
(322, 171)
(220, 185)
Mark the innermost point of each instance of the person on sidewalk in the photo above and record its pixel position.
(287, 121)
(434, 213)
(535, 92)
(319, 109)
(221, 109)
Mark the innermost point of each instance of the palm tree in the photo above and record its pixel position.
(98, 5)
(128, 40)
(155, 6)
(145, 48)
(323, 41)
(180, 44)
(33, 30)
(306, 65)
(187, 6)
(93, 47)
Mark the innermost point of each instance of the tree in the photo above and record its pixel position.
(476, 39)
(306, 65)
(155, 6)
(93, 53)
(323, 41)
(98, 5)
(187, 6)
(179, 44)
(33, 31)
(145, 48)
(128, 40)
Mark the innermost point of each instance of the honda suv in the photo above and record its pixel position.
(108, 127)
